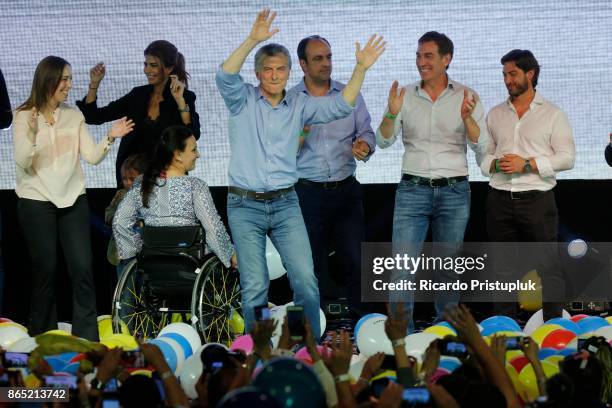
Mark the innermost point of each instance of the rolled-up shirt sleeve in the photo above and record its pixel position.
(364, 126)
(217, 238)
(23, 140)
(232, 89)
(562, 144)
(129, 241)
(324, 109)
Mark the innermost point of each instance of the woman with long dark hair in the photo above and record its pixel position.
(164, 102)
(49, 139)
(165, 195)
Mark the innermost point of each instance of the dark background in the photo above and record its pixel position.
(584, 212)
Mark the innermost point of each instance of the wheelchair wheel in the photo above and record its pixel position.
(134, 304)
(215, 297)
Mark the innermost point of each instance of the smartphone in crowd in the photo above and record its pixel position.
(133, 359)
(262, 312)
(15, 360)
(61, 381)
(452, 348)
(416, 397)
(515, 343)
(295, 320)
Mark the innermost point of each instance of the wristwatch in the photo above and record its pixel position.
(185, 109)
(527, 166)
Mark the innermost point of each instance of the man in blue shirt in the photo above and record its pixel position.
(330, 195)
(264, 127)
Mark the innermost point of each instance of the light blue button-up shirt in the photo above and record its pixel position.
(264, 139)
(326, 154)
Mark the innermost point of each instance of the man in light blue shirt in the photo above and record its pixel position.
(437, 118)
(264, 127)
(330, 195)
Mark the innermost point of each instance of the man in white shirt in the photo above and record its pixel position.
(438, 118)
(531, 141)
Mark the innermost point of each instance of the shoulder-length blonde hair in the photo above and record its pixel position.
(47, 77)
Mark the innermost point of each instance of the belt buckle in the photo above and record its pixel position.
(259, 195)
(331, 185)
(431, 183)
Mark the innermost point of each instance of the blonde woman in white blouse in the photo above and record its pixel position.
(49, 139)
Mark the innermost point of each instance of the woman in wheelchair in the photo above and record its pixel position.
(166, 195)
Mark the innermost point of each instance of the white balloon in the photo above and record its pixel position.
(322, 318)
(536, 320)
(65, 326)
(372, 338)
(190, 374)
(25, 345)
(10, 335)
(357, 363)
(186, 331)
(605, 331)
(273, 259)
(417, 343)
(178, 349)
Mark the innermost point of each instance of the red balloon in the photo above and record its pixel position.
(558, 339)
(577, 317)
(519, 362)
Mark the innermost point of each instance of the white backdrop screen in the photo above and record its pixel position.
(571, 39)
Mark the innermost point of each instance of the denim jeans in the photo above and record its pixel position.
(417, 207)
(250, 221)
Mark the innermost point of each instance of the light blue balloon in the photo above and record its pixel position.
(566, 351)
(547, 352)
(168, 352)
(592, 323)
(180, 339)
(501, 320)
(494, 328)
(566, 324)
(451, 364)
(363, 319)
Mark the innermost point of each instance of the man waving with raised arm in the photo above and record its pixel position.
(264, 126)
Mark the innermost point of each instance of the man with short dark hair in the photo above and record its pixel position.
(438, 118)
(531, 141)
(330, 195)
(264, 127)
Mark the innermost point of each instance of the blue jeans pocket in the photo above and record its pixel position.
(234, 200)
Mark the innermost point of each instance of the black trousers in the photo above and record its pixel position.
(335, 217)
(44, 226)
(531, 218)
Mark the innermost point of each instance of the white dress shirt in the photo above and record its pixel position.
(433, 133)
(48, 161)
(543, 133)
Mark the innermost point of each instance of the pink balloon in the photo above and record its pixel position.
(558, 339)
(303, 354)
(577, 317)
(244, 343)
(440, 372)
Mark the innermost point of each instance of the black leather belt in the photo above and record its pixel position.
(519, 195)
(260, 195)
(437, 182)
(328, 185)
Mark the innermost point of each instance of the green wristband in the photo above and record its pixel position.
(389, 115)
(303, 133)
(497, 168)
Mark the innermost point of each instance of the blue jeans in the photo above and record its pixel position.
(281, 218)
(447, 210)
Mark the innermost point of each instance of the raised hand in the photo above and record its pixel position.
(373, 49)
(339, 360)
(121, 127)
(498, 347)
(396, 326)
(361, 149)
(468, 105)
(261, 27)
(96, 74)
(33, 122)
(176, 88)
(530, 348)
(396, 100)
(463, 321)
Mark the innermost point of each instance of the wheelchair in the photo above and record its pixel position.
(173, 278)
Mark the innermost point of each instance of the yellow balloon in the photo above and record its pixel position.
(531, 300)
(510, 354)
(236, 322)
(509, 333)
(555, 359)
(58, 331)
(440, 331)
(105, 327)
(609, 319)
(542, 331)
(384, 374)
(122, 341)
(147, 373)
(513, 376)
(529, 384)
(13, 324)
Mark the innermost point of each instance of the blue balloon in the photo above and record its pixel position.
(180, 339)
(494, 328)
(450, 364)
(292, 383)
(566, 352)
(547, 352)
(501, 320)
(566, 324)
(168, 352)
(363, 319)
(592, 323)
